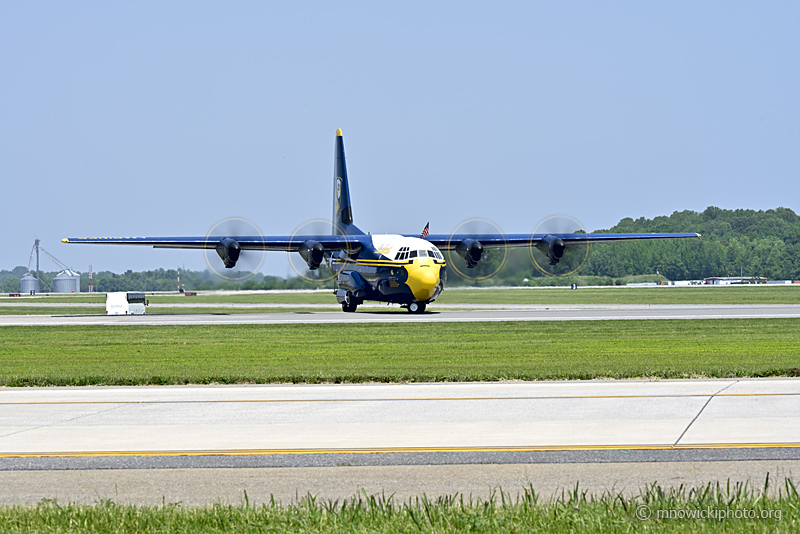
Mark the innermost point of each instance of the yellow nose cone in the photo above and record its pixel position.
(423, 281)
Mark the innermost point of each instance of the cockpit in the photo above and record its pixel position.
(404, 253)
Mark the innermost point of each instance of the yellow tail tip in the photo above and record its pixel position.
(338, 132)
(65, 240)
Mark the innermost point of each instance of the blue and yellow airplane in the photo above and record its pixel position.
(403, 269)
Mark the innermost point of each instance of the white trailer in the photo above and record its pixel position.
(125, 303)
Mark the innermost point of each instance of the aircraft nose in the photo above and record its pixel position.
(423, 282)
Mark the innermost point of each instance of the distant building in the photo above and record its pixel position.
(730, 280)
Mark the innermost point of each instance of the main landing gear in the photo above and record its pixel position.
(350, 303)
(416, 307)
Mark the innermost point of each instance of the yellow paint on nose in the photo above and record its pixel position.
(423, 278)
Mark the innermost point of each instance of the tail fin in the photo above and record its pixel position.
(342, 210)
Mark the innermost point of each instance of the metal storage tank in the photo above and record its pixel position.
(67, 282)
(28, 283)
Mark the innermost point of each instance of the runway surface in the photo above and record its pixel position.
(311, 420)
(205, 444)
(394, 315)
(153, 442)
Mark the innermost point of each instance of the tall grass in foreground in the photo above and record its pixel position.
(573, 511)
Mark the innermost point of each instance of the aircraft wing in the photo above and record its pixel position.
(288, 243)
(451, 241)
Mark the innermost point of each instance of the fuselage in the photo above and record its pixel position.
(390, 268)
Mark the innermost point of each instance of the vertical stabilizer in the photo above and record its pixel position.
(342, 210)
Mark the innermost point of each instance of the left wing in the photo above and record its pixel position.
(470, 246)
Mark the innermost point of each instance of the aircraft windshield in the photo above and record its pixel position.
(404, 254)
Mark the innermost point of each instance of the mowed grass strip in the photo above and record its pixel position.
(132, 355)
(745, 294)
(98, 310)
(51, 310)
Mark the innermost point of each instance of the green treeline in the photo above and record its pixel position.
(164, 280)
(733, 242)
(753, 243)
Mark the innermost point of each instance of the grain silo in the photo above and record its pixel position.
(67, 281)
(29, 284)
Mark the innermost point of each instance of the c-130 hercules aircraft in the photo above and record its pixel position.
(402, 269)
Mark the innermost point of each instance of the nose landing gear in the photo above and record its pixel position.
(416, 307)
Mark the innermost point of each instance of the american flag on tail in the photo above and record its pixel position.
(425, 231)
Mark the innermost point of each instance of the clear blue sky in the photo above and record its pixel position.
(162, 118)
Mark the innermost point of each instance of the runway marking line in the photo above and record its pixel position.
(388, 450)
(400, 399)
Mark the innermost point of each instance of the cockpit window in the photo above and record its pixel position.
(403, 254)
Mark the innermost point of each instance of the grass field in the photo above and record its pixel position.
(125, 355)
(755, 294)
(533, 296)
(100, 310)
(786, 294)
(654, 510)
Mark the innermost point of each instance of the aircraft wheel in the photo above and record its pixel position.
(350, 304)
(416, 307)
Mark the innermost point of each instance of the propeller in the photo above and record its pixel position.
(489, 262)
(552, 256)
(312, 253)
(239, 264)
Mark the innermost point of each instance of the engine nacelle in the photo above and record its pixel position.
(313, 252)
(471, 250)
(552, 247)
(229, 250)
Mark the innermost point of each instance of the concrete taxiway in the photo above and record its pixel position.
(395, 315)
(404, 438)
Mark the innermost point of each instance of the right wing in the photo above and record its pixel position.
(311, 247)
(451, 241)
(288, 243)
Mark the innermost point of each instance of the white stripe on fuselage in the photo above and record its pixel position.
(387, 246)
